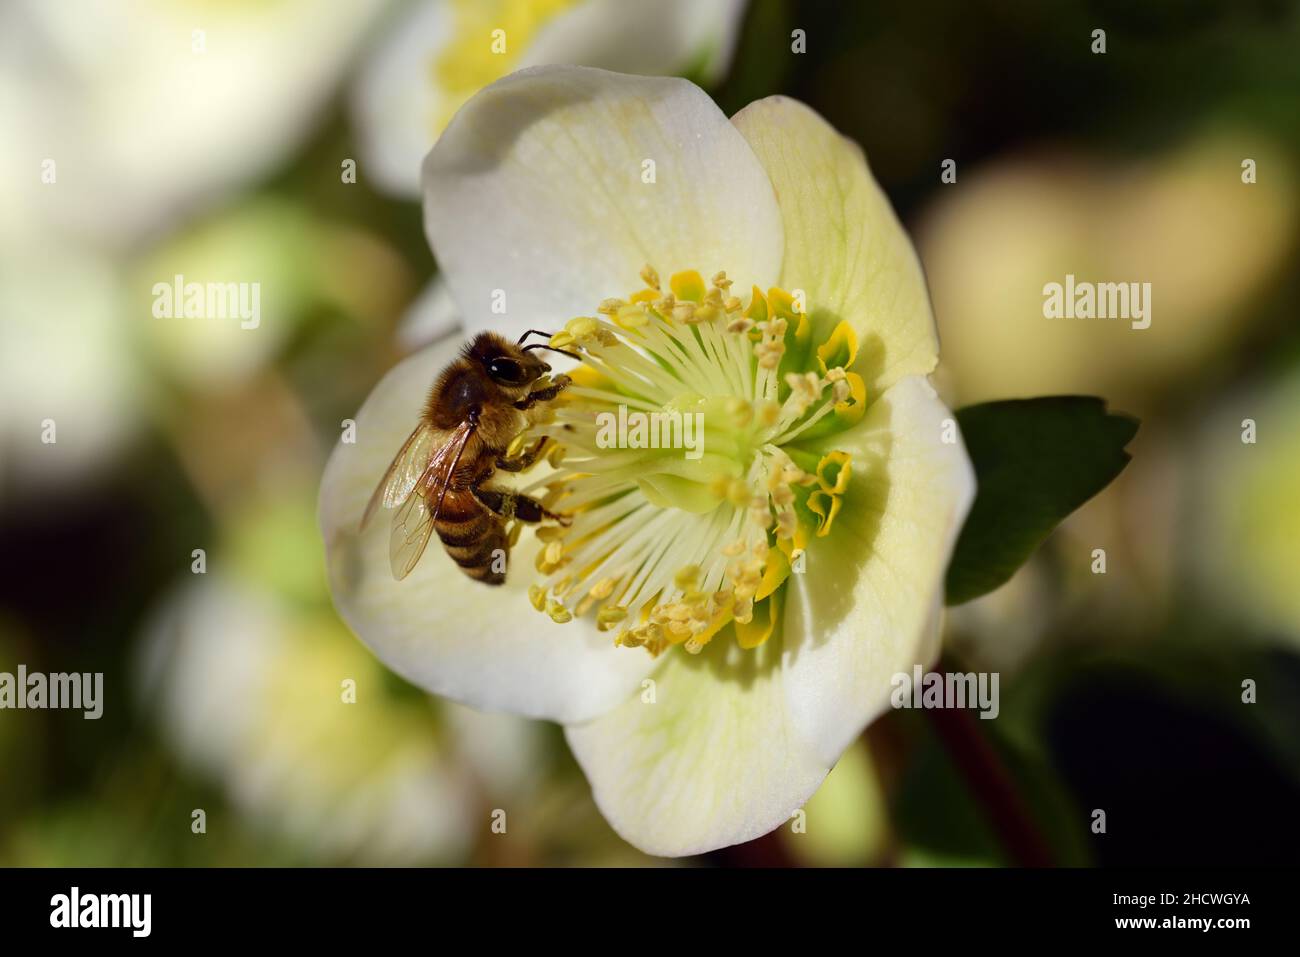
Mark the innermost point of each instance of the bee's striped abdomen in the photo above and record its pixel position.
(473, 536)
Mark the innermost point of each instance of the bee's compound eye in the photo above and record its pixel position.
(506, 371)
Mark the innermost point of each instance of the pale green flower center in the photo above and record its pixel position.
(677, 455)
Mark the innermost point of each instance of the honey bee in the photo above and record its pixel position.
(440, 478)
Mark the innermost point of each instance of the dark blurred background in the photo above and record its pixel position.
(1120, 691)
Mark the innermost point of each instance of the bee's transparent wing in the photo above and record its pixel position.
(412, 526)
(409, 464)
(413, 523)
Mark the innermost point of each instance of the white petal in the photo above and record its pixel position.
(649, 37)
(714, 760)
(481, 645)
(843, 244)
(396, 104)
(868, 603)
(432, 316)
(535, 193)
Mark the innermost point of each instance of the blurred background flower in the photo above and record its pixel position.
(222, 156)
(1245, 524)
(63, 360)
(1180, 219)
(439, 53)
(151, 109)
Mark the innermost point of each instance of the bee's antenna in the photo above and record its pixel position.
(532, 332)
(538, 345)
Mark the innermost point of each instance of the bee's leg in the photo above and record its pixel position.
(558, 385)
(525, 460)
(510, 505)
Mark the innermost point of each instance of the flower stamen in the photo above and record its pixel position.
(669, 549)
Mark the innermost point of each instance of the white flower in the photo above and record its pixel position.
(69, 382)
(150, 107)
(442, 52)
(825, 449)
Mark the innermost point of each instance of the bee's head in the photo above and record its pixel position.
(506, 363)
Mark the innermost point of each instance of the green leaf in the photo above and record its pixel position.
(1036, 461)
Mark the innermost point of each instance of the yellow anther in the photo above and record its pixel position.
(733, 549)
(684, 312)
(731, 304)
(631, 316)
(537, 596)
(677, 631)
(805, 386)
(707, 313)
(610, 615)
(603, 588)
(740, 325)
(559, 614)
(768, 413)
(721, 281)
(609, 307)
(769, 353)
(562, 340)
(649, 276)
(582, 328)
